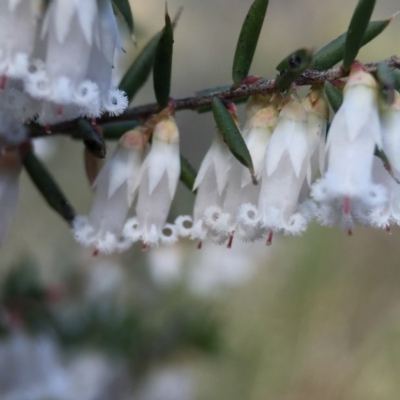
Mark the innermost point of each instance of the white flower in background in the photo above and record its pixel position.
(287, 160)
(353, 135)
(10, 169)
(115, 189)
(12, 132)
(17, 33)
(389, 213)
(241, 189)
(159, 178)
(74, 78)
(211, 182)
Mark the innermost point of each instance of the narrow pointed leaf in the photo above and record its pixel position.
(188, 173)
(332, 53)
(356, 31)
(231, 134)
(139, 72)
(93, 141)
(125, 10)
(48, 187)
(334, 96)
(248, 38)
(396, 77)
(114, 130)
(162, 67)
(292, 67)
(386, 82)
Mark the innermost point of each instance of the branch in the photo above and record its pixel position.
(262, 86)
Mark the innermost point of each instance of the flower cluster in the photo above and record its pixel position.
(57, 65)
(304, 173)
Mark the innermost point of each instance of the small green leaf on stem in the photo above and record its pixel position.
(248, 38)
(48, 187)
(386, 82)
(114, 130)
(231, 135)
(334, 96)
(125, 10)
(139, 72)
(292, 67)
(94, 142)
(188, 173)
(162, 67)
(356, 31)
(332, 53)
(396, 78)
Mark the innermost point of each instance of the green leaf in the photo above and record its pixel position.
(188, 173)
(124, 8)
(248, 38)
(356, 31)
(231, 135)
(386, 82)
(48, 187)
(396, 78)
(334, 96)
(114, 130)
(332, 53)
(91, 138)
(292, 67)
(138, 73)
(162, 67)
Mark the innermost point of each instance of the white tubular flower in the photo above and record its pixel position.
(116, 187)
(286, 163)
(17, 32)
(211, 182)
(10, 169)
(159, 178)
(241, 189)
(353, 135)
(255, 103)
(12, 132)
(75, 30)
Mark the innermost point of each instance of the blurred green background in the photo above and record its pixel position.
(319, 316)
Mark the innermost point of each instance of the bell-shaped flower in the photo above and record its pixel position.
(241, 189)
(287, 160)
(211, 182)
(75, 30)
(10, 169)
(115, 189)
(353, 135)
(159, 178)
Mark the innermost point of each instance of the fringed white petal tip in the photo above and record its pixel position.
(116, 103)
(273, 219)
(249, 234)
(38, 85)
(169, 234)
(83, 232)
(217, 220)
(87, 96)
(249, 216)
(61, 91)
(319, 191)
(199, 231)
(297, 225)
(131, 230)
(379, 217)
(184, 225)
(327, 215)
(376, 196)
(150, 237)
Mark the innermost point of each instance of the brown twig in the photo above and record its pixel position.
(263, 86)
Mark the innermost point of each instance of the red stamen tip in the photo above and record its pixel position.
(47, 129)
(200, 245)
(3, 82)
(59, 110)
(270, 236)
(349, 232)
(346, 205)
(95, 252)
(388, 230)
(230, 241)
(145, 246)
